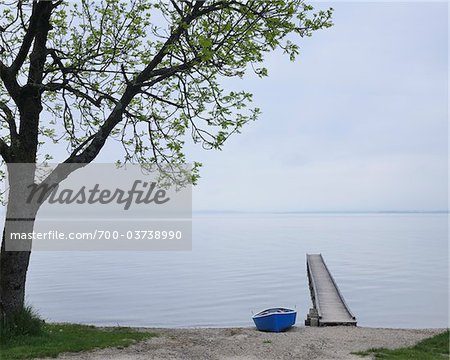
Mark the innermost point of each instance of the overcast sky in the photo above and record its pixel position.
(358, 122)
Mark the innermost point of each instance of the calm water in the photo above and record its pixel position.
(392, 271)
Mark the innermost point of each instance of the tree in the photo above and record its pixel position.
(146, 74)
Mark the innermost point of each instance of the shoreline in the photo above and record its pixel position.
(246, 343)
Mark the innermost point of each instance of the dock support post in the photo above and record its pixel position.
(312, 319)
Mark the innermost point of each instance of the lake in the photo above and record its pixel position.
(391, 268)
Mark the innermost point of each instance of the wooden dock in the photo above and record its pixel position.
(329, 306)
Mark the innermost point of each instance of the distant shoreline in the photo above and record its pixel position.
(307, 212)
(322, 212)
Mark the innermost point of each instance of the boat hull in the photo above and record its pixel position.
(275, 321)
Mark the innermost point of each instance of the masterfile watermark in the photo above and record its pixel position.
(141, 192)
(97, 207)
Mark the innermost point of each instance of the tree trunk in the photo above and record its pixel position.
(15, 253)
(13, 272)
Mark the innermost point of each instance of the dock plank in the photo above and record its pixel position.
(327, 299)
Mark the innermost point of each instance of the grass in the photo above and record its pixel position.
(59, 338)
(24, 322)
(434, 348)
(27, 337)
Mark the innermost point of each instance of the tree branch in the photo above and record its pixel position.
(99, 138)
(39, 51)
(27, 39)
(10, 82)
(156, 97)
(147, 73)
(164, 73)
(79, 147)
(3, 69)
(4, 150)
(78, 93)
(29, 102)
(9, 117)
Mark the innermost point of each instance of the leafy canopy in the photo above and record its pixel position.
(147, 74)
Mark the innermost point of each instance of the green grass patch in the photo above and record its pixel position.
(23, 322)
(434, 348)
(54, 339)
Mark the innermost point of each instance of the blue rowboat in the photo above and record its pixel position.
(275, 320)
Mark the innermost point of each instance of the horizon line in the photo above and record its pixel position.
(325, 211)
(2, 208)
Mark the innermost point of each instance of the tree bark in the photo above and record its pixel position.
(13, 271)
(15, 254)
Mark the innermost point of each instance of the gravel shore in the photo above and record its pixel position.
(307, 343)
